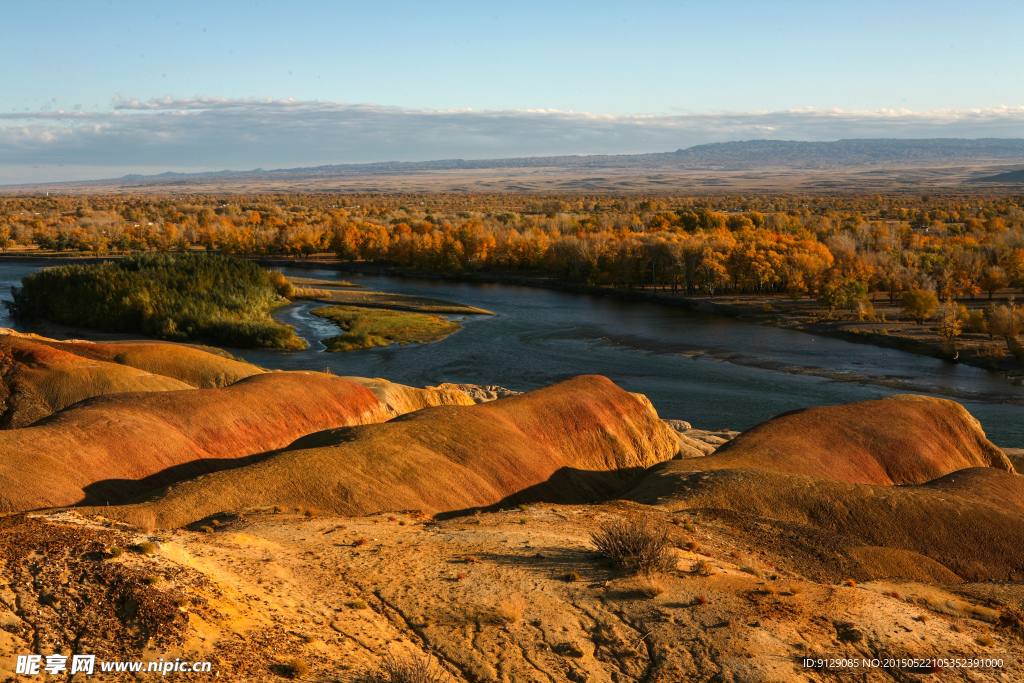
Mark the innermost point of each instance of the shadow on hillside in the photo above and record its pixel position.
(121, 491)
(587, 565)
(567, 486)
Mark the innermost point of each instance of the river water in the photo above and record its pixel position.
(713, 371)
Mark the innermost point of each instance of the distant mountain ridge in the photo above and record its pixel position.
(746, 155)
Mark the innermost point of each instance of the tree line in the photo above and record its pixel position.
(839, 250)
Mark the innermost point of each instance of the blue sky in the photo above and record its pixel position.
(91, 88)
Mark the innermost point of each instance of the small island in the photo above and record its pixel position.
(368, 327)
(212, 299)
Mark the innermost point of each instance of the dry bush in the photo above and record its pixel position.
(297, 668)
(692, 546)
(414, 670)
(511, 609)
(573, 577)
(700, 600)
(850, 582)
(702, 567)
(752, 568)
(652, 585)
(147, 547)
(638, 546)
(985, 641)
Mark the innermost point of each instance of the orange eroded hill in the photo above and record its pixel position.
(574, 441)
(902, 439)
(401, 399)
(114, 447)
(40, 376)
(970, 522)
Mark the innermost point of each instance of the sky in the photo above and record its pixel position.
(96, 89)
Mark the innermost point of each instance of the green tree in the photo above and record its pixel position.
(919, 304)
(847, 293)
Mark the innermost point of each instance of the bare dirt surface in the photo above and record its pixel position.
(518, 595)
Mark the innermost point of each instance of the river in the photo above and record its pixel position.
(712, 371)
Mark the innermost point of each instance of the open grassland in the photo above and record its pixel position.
(214, 299)
(367, 327)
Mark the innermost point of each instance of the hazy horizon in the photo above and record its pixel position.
(95, 92)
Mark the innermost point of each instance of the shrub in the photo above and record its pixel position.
(206, 529)
(702, 567)
(280, 283)
(753, 569)
(511, 609)
(147, 547)
(414, 670)
(297, 668)
(115, 551)
(637, 546)
(652, 586)
(358, 604)
(700, 600)
(573, 577)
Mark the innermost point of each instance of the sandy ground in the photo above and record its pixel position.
(517, 595)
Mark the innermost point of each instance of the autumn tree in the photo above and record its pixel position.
(919, 304)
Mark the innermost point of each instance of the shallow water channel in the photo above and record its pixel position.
(713, 371)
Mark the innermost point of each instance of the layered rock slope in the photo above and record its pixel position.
(40, 376)
(108, 448)
(576, 441)
(902, 439)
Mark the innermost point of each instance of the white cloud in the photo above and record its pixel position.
(212, 133)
